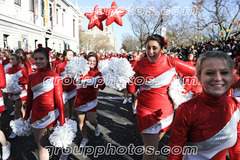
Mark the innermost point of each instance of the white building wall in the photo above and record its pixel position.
(17, 21)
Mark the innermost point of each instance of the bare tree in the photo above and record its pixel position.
(84, 40)
(180, 31)
(94, 42)
(130, 43)
(101, 42)
(223, 13)
(148, 18)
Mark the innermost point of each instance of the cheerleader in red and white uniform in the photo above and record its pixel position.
(2, 85)
(30, 58)
(19, 98)
(5, 144)
(69, 86)
(153, 75)
(59, 59)
(86, 97)
(6, 63)
(25, 62)
(208, 123)
(21, 73)
(44, 101)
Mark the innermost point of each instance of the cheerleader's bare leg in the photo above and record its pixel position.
(71, 104)
(3, 140)
(91, 116)
(66, 109)
(151, 140)
(82, 124)
(6, 146)
(41, 139)
(18, 110)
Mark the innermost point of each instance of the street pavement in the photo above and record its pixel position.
(119, 138)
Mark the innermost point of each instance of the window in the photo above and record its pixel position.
(50, 12)
(5, 41)
(31, 5)
(42, 8)
(57, 16)
(73, 27)
(63, 19)
(18, 2)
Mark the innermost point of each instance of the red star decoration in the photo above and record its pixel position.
(114, 14)
(95, 18)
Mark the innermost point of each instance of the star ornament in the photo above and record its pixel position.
(95, 18)
(114, 14)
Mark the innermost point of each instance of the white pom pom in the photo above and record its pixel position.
(103, 65)
(176, 92)
(21, 127)
(12, 85)
(116, 72)
(73, 124)
(63, 136)
(76, 67)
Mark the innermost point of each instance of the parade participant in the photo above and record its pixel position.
(83, 55)
(190, 59)
(209, 121)
(25, 62)
(5, 144)
(30, 58)
(59, 59)
(6, 64)
(19, 98)
(153, 75)
(44, 101)
(192, 82)
(69, 86)
(86, 97)
(134, 96)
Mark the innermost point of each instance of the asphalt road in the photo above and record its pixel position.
(119, 139)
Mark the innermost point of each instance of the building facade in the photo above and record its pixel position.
(52, 23)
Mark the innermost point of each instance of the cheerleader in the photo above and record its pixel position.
(210, 121)
(68, 84)
(59, 59)
(6, 63)
(5, 144)
(17, 74)
(153, 75)
(44, 101)
(86, 98)
(25, 62)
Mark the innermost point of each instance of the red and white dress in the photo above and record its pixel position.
(27, 65)
(33, 66)
(6, 64)
(209, 124)
(69, 86)
(86, 97)
(155, 108)
(55, 63)
(2, 85)
(16, 70)
(44, 99)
